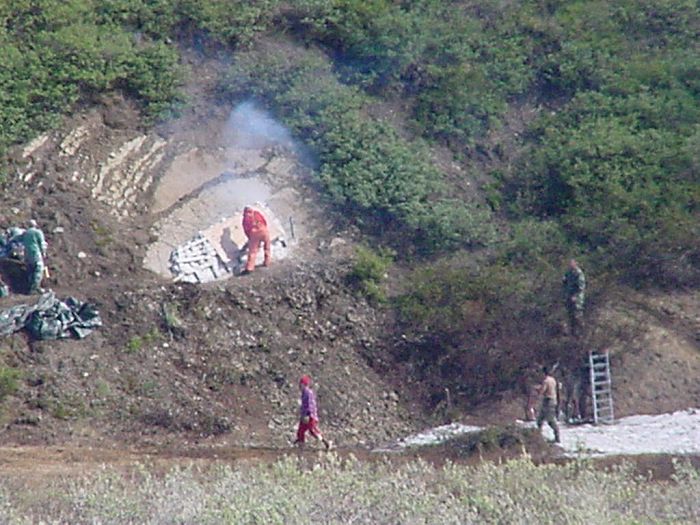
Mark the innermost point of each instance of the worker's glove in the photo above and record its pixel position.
(305, 419)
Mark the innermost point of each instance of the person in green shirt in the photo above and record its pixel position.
(34, 253)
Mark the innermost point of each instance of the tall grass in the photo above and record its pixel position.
(333, 490)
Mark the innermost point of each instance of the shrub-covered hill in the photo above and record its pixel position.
(606, 163)
(484, 142)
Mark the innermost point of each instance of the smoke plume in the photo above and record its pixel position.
(250, 127)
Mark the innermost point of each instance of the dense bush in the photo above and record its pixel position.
(369, 271)
(9, 380)
(226, 22)
(332, 490)
(55, 53)
(457, 73)
(616, 169)
(615, 163)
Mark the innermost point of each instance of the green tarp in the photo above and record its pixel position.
(51, 318)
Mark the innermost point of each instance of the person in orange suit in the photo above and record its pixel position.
(255, 228)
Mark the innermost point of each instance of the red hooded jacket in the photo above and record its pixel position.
(253, 220)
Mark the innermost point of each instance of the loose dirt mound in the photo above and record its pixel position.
(656, 357)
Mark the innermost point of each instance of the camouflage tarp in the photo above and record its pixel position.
(13, 319)
(51, 318)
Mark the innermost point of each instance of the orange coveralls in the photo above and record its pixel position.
(255, 228)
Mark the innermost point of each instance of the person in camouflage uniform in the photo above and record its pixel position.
(574, 284)
(34, 253)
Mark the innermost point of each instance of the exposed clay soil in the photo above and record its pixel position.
(220, 370)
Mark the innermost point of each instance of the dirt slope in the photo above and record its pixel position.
(221, 359)
(218, 363)
(657, 360)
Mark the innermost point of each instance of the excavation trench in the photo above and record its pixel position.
(198, 201)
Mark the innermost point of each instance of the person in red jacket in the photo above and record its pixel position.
(255, 228)
(308, 415)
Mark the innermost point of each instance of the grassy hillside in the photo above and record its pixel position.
(578, 121)
(611, 157)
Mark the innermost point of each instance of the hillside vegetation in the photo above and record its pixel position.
(579, 119)
(611, 158)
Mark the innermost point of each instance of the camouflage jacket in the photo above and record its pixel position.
(34, 244)
(574, 283)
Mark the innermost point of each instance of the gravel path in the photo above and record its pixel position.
(676, 433)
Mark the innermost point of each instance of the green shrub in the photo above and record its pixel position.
(153, 77)
(9, 381)
(614, 173)
(137, 342)
(227, 22)
(435, 52)
(614, 165)
(134, 344)
(453, 297)
(232, 22)
(457, 104)
(56, 53)
(369, 271)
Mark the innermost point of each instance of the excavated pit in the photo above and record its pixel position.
(188, 183)
(199, 198)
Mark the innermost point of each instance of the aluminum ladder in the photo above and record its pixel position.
(601, 387)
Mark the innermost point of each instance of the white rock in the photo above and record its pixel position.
(337, 241)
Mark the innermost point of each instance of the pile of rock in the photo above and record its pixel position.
(197, 262)
(220, 251)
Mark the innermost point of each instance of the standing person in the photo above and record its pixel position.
(4, 290)
(574, 284)
(34, 253)
(15, 246)
(308, 415)
(255, 228)
(548, 410)
(577, 392)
